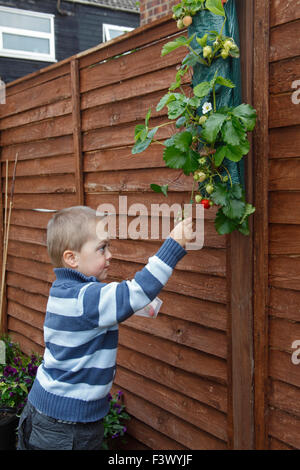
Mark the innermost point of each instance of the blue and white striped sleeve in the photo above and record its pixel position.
(114, 302)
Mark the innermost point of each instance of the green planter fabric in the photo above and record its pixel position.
(203, 22)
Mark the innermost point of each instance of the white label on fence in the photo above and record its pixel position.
(2, 352)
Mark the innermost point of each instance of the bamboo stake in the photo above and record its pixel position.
(6, 232)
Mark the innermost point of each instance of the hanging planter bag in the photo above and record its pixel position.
(204, 22)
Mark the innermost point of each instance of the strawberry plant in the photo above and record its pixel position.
(206, 137)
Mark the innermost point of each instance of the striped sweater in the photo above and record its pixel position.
(81, 335)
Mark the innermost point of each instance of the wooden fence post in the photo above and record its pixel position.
(240, 279)
(261, 236)
(77, 140)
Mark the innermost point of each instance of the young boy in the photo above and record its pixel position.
(70, 394)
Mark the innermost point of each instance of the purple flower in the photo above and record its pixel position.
(120, 393)
(124, 429)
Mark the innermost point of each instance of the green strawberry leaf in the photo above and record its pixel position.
(191, 162)
(220, 194)
(202, 89)
(234, 209)
(247, 114)
(140, 146)
(183, 141)
(160, 189)
(212, 127)
(223, 224)
(173, 157)
(178, 42)
(219, 155)
(215, 6)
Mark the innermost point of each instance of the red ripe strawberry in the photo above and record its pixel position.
(205, 203)
(224, 1)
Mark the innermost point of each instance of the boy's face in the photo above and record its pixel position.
(94, 256)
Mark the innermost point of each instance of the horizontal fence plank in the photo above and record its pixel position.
(283, 333)
(284, 41)
(46, 74)
(122, 68)
(44, 201)
(183, 332)
(284, 239)
(137, 38)
(43, 148)
(192, 361)
(284, 271)
(284, 303)
(280, 203)
(43, 184)
(28, 346)
(28, 284)
(42, 113)
(26, 315)
(27, 235)
(284, 174)
(137, 180)
(284, 142)
(283, 12)
(150, 437)
(30, 268)
(168, 424)
(201, 416)
(205, 391)
(283, 74)
(284, 427)
(284, 397)
(202, 286)
(60, 126)
(283, 112)
(42, 166)
(37, 96)
(35, 301)
(29, 331)
(135, 86)
(281, 368)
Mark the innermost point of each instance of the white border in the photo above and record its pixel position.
(25, 32)
(106, 27)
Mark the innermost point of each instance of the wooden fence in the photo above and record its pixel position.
(187, 376)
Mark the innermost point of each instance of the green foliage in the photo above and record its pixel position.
(114, 421)
(203, 142)
(16, 376)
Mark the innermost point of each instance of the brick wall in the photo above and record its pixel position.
(153, 9)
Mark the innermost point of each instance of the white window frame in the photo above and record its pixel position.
(106, 27)
(19, 54)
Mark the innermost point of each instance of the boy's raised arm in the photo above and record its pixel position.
(113, 303)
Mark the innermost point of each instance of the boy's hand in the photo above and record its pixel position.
(183, 232)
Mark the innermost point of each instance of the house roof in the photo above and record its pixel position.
(125, 5)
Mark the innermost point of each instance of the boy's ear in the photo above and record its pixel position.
(70, 258)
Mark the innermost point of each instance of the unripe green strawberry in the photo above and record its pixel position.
(225, 179)
(201, 176)
(202, 120)
(180, 24)
(207, 51)
(209, 188)
(198, 198)
(228, 44)
(196, 177)
(224, 54)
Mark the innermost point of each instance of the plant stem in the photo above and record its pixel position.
(228, 175)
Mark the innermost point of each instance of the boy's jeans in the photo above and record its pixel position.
(40, 432)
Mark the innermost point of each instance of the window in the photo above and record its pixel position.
(27, 34)
(111, 31)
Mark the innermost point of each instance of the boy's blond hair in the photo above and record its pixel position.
(69, 229)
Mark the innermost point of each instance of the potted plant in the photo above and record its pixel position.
(211, 135)
(114, 427)
(16, 379)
